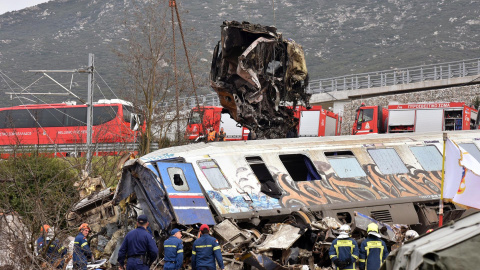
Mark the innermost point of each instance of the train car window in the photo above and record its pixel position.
(213, 174)
(177, 178)
(345, 164)
(472, 149)
(75, 117)
(268, 185)
(103, 114)
(300, 167)
(428, 156)
(127, 113)
(20, 119)
(51, 117)
(388, 161)
(3, 118)
(195, 118)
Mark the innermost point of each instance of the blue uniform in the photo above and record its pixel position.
(137, 243)
(373, 253)
(40, 244)
(81, 252)
(205, 251)
(55, 252)
(173, 249)
(344, 249)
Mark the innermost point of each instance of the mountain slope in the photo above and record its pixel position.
(339, 37)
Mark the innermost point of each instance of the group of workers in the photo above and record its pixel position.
(213, 135)
(344, 251)
(139, 249)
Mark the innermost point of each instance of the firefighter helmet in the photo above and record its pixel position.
(344, 231)
(410, 234)
(44, 228)
(84, 226)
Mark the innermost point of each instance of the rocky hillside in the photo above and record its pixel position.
(339, 37)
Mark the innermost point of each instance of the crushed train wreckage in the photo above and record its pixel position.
(272, 204)
(255, 71)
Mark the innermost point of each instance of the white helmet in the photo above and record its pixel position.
(344, 231)
(410, 234)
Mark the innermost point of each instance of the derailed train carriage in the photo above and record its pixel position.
(251, 190)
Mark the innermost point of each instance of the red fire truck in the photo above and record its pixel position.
(315, 122)
(421, 117)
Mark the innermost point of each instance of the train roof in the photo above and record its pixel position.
(310, 143)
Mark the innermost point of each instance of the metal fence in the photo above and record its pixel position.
(396, 76)
(367, 80)
(75, 149)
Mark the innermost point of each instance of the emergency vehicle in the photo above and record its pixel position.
(313, 122)
(420, 117)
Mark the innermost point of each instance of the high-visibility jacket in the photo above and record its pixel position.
(373, 252)
(344, 249)
(211, 136)
(173, 249)
(205, 251)
(221, 136)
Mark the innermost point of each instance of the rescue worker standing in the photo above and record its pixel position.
(81, 249)
(173, 249)
(212, 135)
(138, 247)
(344, 250)
(373, 251)
(222, 135)
(205, 251)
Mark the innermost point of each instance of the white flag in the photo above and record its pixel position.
(461, 184)
(469, 188)
(453, 170)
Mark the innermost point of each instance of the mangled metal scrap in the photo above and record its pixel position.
(254, 72)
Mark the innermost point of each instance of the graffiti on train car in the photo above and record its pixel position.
(330, 189)
(376, 186)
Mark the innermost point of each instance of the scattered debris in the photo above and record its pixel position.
(255, 71)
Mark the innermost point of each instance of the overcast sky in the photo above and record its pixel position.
(11, 5)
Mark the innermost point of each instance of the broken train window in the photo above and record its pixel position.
(428, 156)
(300, 167)
(388, 161)
(268, 185)
(213, 174)
(345, 164)
(177, 178)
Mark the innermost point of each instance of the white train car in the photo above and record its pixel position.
(394, 178)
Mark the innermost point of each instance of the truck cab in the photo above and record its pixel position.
(370, 120)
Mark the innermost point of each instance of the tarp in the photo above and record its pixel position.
(453, 246)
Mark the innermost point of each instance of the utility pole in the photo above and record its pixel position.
(90, 70)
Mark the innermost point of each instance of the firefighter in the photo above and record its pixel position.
(55, 251)
(373, 251)
(205, 251)
(41, 240)
(173, 249)
(81, 249)
(344, 250)
(212, 135)
(222, 135)
(138, 247)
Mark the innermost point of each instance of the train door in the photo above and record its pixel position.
(185, 194)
